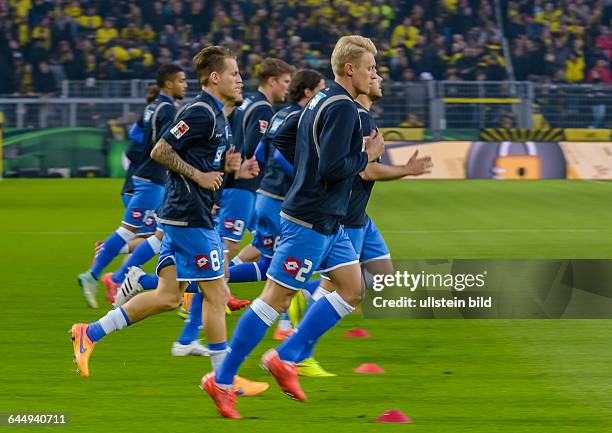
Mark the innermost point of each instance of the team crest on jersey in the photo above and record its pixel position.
(219, 155)
(137, 214)
(268, 241)
(202, 262)
(228, 224)
(263, 125)
(292, 266)
(315, 100)
(147, 115)
(245, 104)
(180, 129)
(275, 124)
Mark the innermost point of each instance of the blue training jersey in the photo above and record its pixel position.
(156, 118)
(362, 189)
(200, 135)
(280, 133)
(328, 155)
(134, 154)
(249, 122)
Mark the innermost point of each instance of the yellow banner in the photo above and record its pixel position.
(403, 134)
(585, 134)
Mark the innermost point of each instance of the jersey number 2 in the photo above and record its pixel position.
(303, 270)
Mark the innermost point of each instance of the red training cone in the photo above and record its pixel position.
(369, 369)
(394, 416)
(357, 333)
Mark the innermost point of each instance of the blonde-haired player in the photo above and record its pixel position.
(330, 152)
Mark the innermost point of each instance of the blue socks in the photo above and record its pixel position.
(114, 320)
(319, 318)
(95, 332)
(192, 288)
(191, 329)
(311, 286)
(141, 255)
(149, 281)
(249, 331)
(249, 272)
(111, 248)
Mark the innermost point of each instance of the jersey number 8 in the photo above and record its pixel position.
(214, 260)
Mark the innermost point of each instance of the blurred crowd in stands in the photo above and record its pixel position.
(45, 41)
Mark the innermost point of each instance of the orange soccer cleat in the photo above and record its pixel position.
(225, 400)
(248, 388)
(82, 347)
(285, 373)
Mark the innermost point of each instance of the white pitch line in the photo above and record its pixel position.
(497, 231)
(53, 233)
(601, 182)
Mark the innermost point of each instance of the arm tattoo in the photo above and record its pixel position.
(166, 155)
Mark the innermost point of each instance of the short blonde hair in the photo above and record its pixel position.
(349, 49)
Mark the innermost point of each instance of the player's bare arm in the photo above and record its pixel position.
(414, 167)
(166, 155)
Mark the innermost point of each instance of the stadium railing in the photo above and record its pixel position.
(436, 105)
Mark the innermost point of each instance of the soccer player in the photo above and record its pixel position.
(330, 152)
(249, 122)
(276, 182)
(148, 179)
(135, 150)
(133, 153)
(136, 280)
(195, 150)
(365, 237)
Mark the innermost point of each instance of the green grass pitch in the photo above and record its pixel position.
(449, 376)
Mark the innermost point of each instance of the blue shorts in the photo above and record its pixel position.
(237, 213)
(197, 253)
(301, 251)
(268, 226)
(125, 199)
(141, 210)
(368, 242)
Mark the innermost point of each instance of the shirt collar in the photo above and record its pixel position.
(219, 103)
(162, 94)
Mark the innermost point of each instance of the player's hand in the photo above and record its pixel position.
(233, 159)
(248, 169)
(374, 146)
(417, 166)
(211, 180)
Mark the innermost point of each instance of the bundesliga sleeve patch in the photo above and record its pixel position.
(263, 125)
(179, 129)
